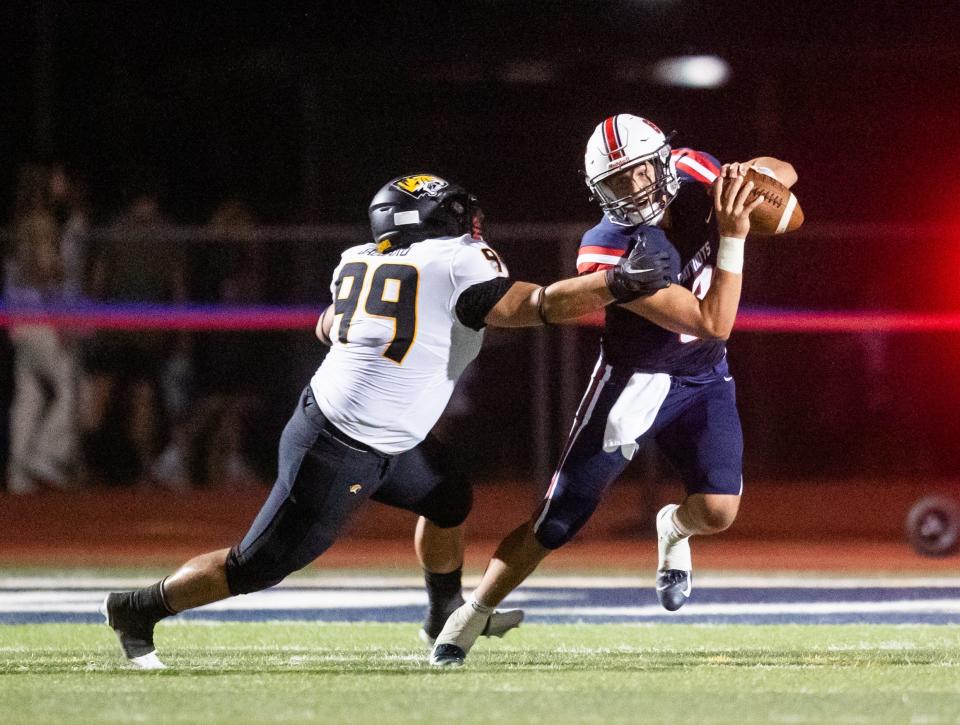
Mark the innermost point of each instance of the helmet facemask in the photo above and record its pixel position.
(618, 195)
(466, 214)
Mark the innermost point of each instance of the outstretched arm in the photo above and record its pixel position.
(567, 299)
(525, 304)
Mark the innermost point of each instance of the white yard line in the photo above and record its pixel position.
(363, 581)
(693, 609)
(569, 603)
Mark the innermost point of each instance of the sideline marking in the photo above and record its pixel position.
(366, 581)
(624, 604)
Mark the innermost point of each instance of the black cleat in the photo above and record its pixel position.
(673, 588)
(133, 630)
(433, 624)
(447, 655)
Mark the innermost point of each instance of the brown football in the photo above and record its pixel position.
(780, 211)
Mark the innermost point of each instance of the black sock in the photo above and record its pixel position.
(150, 603)
(444, 590)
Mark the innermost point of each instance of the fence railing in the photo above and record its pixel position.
(881, 394)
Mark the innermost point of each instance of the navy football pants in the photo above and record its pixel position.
(697, 428)
(323, 477)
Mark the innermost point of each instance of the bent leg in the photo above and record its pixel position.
(202, 580)
(320, 482)
(423, 480)
(585, 470)
(707, 513)
(701, 514)
(515, 559)
(439, 550)
(306, 509)
(705, 442)
(584, 473)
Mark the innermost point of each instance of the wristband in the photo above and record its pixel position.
(730, 254)
(542, 313)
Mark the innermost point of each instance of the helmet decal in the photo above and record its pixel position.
(401, 218)
(421, 185)
(611, 137)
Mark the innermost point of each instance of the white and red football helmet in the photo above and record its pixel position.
(617, 146)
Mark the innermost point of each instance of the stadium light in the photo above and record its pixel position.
(692, 71)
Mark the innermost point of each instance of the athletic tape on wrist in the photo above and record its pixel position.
(730, 254)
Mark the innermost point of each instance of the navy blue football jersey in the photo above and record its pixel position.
(630, 340)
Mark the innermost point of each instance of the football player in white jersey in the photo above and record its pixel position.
(408, 314)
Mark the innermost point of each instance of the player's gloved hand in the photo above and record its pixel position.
(639, 274)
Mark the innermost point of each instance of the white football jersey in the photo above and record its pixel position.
(398, 347)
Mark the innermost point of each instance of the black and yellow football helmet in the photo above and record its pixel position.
(415, 207)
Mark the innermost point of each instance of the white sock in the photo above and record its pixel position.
(478, 607)
(675, 532)
(681, 531)
(673, 545)
(464, 625)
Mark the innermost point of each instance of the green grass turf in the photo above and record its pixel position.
(376, 673)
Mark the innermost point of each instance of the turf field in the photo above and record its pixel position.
(562, 673)
(343, 649)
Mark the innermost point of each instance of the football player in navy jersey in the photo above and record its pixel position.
(662, 372)
(408, 314)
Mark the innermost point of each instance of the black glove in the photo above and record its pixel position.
(639, 274)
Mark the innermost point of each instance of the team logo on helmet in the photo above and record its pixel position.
(421, 185)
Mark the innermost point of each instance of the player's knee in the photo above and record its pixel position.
(450, 518)
(719, 516)
(553, 533)
(563, 519)
(247, 574)
(450, 507)
(243, 577)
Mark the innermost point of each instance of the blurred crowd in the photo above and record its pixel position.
(117, 408)
(178, 409)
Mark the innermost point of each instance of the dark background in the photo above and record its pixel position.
(303, 110)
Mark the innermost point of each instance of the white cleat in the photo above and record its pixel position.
(148, 662)
(502, 622)
(499, 624)
(674, 562)
(458, 635)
